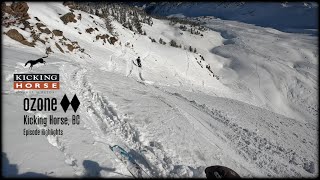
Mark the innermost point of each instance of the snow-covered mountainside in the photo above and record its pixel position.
(211, 92)
(289, 16)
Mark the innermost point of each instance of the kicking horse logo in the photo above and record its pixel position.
(33, 62)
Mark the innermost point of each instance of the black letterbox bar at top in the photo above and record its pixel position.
(36, 77)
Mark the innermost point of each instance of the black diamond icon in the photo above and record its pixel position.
(75, 103)
(65, 103)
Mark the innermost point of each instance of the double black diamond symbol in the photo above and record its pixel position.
(75, 103)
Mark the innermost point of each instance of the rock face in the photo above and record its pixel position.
(112, 40)
(70, 4)
(15, 35)
(58, 46)
(26, 24)
(103, 37)
(36, 37)
(6, 9)
(69, 17)
(20, 9)
(70, 47)
(89, 30)
(46, 30)
(17, 13)
(48, 50)
(57, 32)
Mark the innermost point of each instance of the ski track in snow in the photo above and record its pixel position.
(114, 127)
(251, 146)
(248, 144)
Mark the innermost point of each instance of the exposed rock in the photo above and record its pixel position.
(39, 25)
(69, 17)
(25, 42)
(26, 24)
(89, 30)
(112, 40)
(70, 4)
(41, 40)
(48, 50)
(96, 29)
(35, 36)
(15, 35)
(75, 43)
(20, 9)
(7, 21)
(104, 37)
(37, 19)
(6, 9)
(58, 46)
(57, 32)
(79, 17)
(46, 30)
(70, 47)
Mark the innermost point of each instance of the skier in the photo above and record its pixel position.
(220, 172)
(139, 61)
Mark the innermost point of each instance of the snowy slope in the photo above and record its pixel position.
(259, 118)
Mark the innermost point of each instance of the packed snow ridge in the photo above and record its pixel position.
(209, 92)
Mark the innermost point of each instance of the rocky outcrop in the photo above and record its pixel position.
(14, 14)
(59, 47)
(57, 32)
(39, 25)
(6, 9)
(20, 9)
(41, 40)
(112, 40)
(89, 30)
(15, 35)
(36, 37)
(69, 17)
(70, 47)
(46, 30)
(103, 37)
(70, 4)
(48, 50)
(26, 24)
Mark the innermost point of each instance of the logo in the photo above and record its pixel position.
(36, 81)
(75, 103)
(47, 122)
